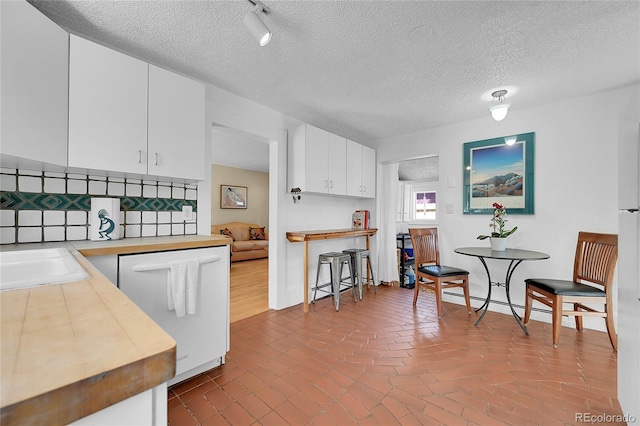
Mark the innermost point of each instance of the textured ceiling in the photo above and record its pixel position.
(372, 69)
(425, 169)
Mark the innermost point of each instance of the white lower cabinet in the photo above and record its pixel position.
(202, 338)
(107, 265)
(146, 408)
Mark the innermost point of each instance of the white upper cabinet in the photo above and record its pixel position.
(34, 89)
(176, 125)
(361, 170)
(317, 161)
(337, 165)
(313, 165)
(369, 167)
(107, 109)
(132, 118)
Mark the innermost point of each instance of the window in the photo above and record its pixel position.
(424, 205)
(419, 202)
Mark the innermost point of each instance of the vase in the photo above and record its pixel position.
(498, 243)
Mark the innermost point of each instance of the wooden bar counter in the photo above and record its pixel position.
(325, 234)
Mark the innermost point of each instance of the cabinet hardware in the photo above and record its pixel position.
(157, 267)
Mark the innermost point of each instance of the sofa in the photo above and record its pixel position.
(244, 247)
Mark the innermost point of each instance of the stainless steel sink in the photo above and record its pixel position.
(29, 268)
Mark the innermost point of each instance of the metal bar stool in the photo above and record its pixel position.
(357, 256)
(336, 262)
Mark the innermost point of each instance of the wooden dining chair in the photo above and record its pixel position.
(593, 267)
(430, 273)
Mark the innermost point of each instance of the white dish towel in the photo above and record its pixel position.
(182, 286)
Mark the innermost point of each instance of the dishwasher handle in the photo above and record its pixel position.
(160, 266)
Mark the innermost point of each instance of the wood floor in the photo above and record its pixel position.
(249, 294)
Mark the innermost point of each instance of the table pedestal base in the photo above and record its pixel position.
(485, 306)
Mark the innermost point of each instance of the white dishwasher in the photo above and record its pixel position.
(203, 337)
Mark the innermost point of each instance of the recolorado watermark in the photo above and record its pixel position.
(605, 418)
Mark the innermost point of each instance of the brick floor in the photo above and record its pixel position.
(382, 362)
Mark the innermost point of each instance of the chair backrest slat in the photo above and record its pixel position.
(425, 245)
(595, 260)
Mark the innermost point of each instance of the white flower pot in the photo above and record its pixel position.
(498, 243)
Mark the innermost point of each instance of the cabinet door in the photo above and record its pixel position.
(35, 55)
(316, 159)
(369, 167)
(176, 125)
(107, 109)
(337, 164)
(354, 169)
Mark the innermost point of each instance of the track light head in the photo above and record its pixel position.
(254, 24)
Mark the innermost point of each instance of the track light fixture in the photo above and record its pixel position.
(499, 110)
(254, 24)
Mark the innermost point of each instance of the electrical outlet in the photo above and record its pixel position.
(187, 212)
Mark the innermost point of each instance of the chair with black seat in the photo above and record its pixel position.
(593, 267)
(430, 273)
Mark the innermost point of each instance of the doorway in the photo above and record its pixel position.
(240, 159)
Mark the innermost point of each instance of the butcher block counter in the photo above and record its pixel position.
(69, 350)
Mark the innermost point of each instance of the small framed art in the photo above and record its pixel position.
(233, 197)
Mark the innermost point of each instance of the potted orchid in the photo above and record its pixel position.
(499, 234)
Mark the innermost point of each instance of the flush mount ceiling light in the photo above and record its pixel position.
(254, 24)
(499, 110)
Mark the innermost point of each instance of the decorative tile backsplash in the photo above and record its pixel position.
(47, 206)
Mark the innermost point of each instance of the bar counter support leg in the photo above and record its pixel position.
(306, 277)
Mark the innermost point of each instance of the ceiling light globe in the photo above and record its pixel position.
(510, 140)
(499, 111)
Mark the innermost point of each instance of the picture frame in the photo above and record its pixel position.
(497, 172)
(233, 197)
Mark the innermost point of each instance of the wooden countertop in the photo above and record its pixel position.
(149, 244)
(69, 350)
(325, 234)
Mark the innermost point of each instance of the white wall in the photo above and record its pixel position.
(575, 185)
(257, 184)
(286, 261)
